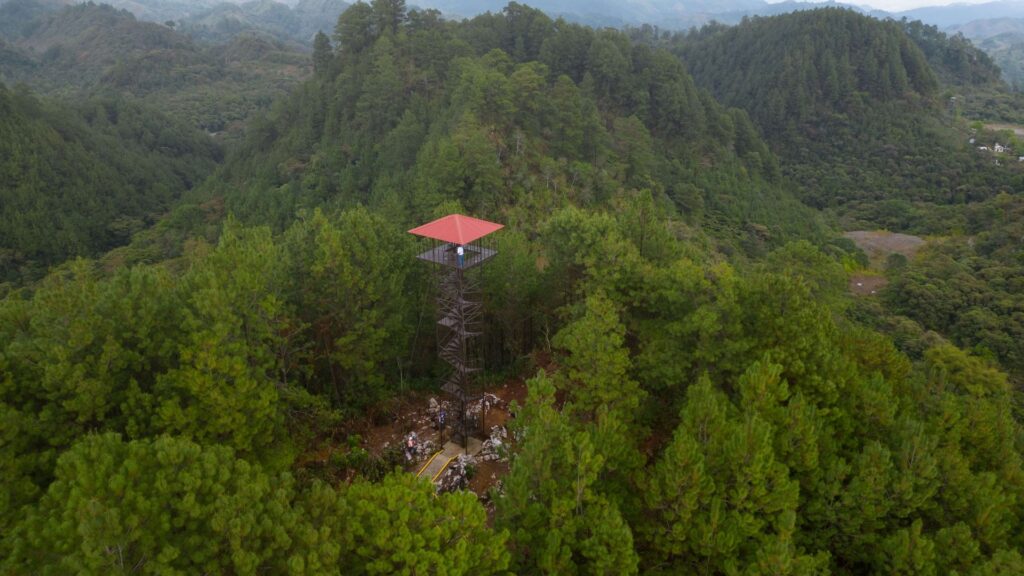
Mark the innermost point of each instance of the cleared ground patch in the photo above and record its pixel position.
(997, 127)
(867, 284)
(879, 244)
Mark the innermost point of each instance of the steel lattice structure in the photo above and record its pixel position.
(457, 253)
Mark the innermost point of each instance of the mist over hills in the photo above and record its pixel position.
(666, 14)
(990, 28)
(297, 21)
(296, 24)
(955, 14)
(1003, 39)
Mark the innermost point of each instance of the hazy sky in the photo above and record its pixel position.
(897, 5)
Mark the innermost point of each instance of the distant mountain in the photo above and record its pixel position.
(989, 27)
(15, 15)
(786, 70)
(632, 11)
(666, 14)
(162, 10)
(14, 63)
(85, 49)
(1007, 50)
(1003, 40)
(229, 17)
(295, 24)
(958, 14)
(953, 57)
(789, 6)
(107, 35)
(854, 107)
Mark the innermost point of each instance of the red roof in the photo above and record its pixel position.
(457, 229)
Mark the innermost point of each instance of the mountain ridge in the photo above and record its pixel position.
(89, 48)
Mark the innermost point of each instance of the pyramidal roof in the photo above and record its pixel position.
(457, 229)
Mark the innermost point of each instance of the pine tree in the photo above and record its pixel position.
(160, 506)
(323, 54)
(558, 520)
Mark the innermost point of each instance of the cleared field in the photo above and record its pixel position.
(878, 244)
(1015, 128)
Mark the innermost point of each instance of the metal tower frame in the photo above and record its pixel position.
(458, 252)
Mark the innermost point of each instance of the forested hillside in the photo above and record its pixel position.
(855, 112)
(955, 60)
(79, 180)
(704, 394)
(1007, 51)
(967, 287)
(866, 118)
(297, 24)
(508, 114)
(1003, 40)
(14, 63)
(977, 74)
(89, 49)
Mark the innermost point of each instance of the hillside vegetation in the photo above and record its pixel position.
(296, 24)
(856, 113)
(77, 181)
(89, 49)
(508, 114)
(712, 399)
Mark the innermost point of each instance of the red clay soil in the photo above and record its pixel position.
(487, 475)
(413, 415)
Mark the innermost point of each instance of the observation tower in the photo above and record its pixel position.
(458, 249)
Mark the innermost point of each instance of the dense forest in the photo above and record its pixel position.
(856, 112)
(510, 115)
(704, 393)
(968, 287)
(88, 49)
(79, 180)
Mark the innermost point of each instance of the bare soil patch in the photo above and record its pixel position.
(487, 475)
(867, 284)
(997, 126)
(879, 244)
(413, 414)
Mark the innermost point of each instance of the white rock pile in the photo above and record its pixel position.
(456, 477)
(493, 448)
